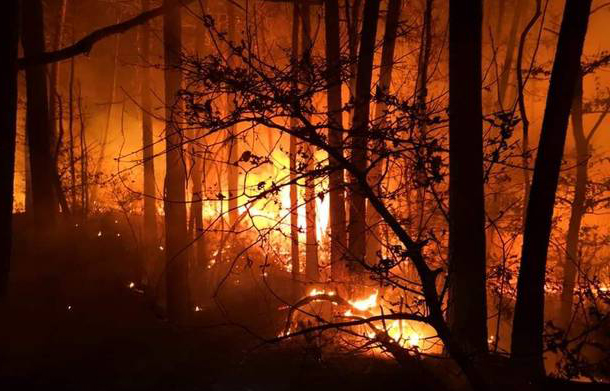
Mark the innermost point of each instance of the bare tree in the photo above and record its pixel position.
(335, 137)
(150, 210)
(359, 132)
(528, 322)
(233, 147)
(9, 31)
(292, 156)
(44, 195)
(176, 267)
(467, 308)
(572, 259)
(373, 245)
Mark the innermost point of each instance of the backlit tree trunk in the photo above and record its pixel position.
(233, 152)
(176, 267)
(338, 233)
(99, 166)
(467, 311)
(294, 215)
(54, 76)
(150, 209)
(571, 261)
(507, 67)
(9, 31)
(312, 270)
(359, 133)
(198, 175)
(373, 245)
(44, 197)
(528, 322)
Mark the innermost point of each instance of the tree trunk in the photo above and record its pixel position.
(150, 209)
(233, 152)
(54, 76)
(198, 176)
(9, 31)
(359, 134)
(421, 91)
(71, 132)
(373, 245)
(175, 180)
(113, 87)
(338, 233)
(467, 310)
(312, 270)
(571, 262)
(84, 171)
(44, 196)
(528, 322)
(294, 214)
(510, 52)
(352, 13)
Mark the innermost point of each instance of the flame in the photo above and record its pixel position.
(365, 304)
(316, 292)
(413, 340)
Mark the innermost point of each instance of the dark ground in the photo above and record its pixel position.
(71, 322)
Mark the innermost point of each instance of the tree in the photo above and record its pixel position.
(292, 155)
(312, 270)
(9, 30)
(373, 245)
(113, 88)
(150, 209)
(176, 267)
(54, 76)
(199, 165)
(572, 261)
(359, 133)
(233, 147)
(44, 196)
(505, 74)
(467, 308)
(335, 139)
(528, 322)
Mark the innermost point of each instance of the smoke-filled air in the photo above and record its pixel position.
(270, 195)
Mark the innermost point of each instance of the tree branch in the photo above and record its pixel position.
(84, 45)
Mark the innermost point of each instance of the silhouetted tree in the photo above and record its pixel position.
(9, 31)
(359, 132)
(338, 233)
(39, 130)
(148, 163)
(176, 267)
(373, 245)
(528, 322)
(467, 309)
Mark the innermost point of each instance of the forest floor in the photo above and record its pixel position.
(72, 323)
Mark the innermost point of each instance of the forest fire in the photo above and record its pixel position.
(305, 194)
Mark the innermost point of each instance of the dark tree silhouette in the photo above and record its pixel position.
(176, 267)
(528, 322)
(39, 130)
(360, 128)
(9, 31)
(335, 139)
(150, 209)
(467, 310)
